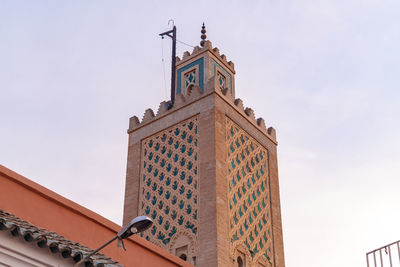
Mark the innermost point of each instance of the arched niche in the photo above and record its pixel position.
(182, 246)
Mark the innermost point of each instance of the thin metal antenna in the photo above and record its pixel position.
(173, 61)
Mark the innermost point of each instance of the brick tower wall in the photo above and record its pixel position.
(206, 172)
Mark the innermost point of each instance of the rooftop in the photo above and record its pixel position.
(51, 240)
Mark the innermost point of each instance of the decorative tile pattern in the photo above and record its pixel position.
(169, 183)
(221, 80)
(190, 78)
(248, 185)
(180, 79)
(215, 68)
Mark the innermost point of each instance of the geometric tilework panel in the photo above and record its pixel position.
(221, 80)
(248, 193)
(199, 75)
(169, 183)
(215, 68)
(190, 78)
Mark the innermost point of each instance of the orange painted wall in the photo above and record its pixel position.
(46, 209)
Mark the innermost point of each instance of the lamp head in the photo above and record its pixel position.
(137, 225)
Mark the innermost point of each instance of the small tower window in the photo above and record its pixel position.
(182, 252)
(239, 262)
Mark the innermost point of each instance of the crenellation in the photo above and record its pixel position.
(272, 132)
(208, 45)
(261, 123)
(193, 93)
(250, 112)
(196, 50)
(133, 122)
(177, 59)
(162, 108)
(216, 51)
(239, 103)
(148, 115)
(186, 54)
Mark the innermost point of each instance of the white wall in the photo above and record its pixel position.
(15, 251)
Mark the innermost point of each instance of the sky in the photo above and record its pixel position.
(324, 74)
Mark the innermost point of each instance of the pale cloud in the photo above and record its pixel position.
(325, 74)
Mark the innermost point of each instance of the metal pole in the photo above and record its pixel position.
(173, 68)
(94, 252)
(173, 62)
(367, 260)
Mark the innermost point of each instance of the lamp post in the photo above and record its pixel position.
(137, 225)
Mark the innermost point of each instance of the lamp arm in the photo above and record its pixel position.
(94, 252)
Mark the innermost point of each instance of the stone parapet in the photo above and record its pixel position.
(194, 93)
(187, 56)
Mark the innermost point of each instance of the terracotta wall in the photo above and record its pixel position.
(46, 209)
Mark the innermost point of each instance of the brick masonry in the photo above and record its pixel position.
(215, 110)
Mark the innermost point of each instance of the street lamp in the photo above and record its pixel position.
(137, 225)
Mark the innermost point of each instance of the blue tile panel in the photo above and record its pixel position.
(200, 63)
(248, 191)
(169, 182)
(228, 76)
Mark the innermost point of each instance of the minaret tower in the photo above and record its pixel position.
(205, 170)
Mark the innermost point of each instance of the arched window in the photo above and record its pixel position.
(239, 262)
(183, 257)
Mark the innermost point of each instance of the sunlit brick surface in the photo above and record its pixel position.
(249, 208)
(169, 183)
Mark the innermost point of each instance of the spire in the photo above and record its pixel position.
(203, 35)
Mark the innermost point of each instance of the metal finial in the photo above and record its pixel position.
(203, 35)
